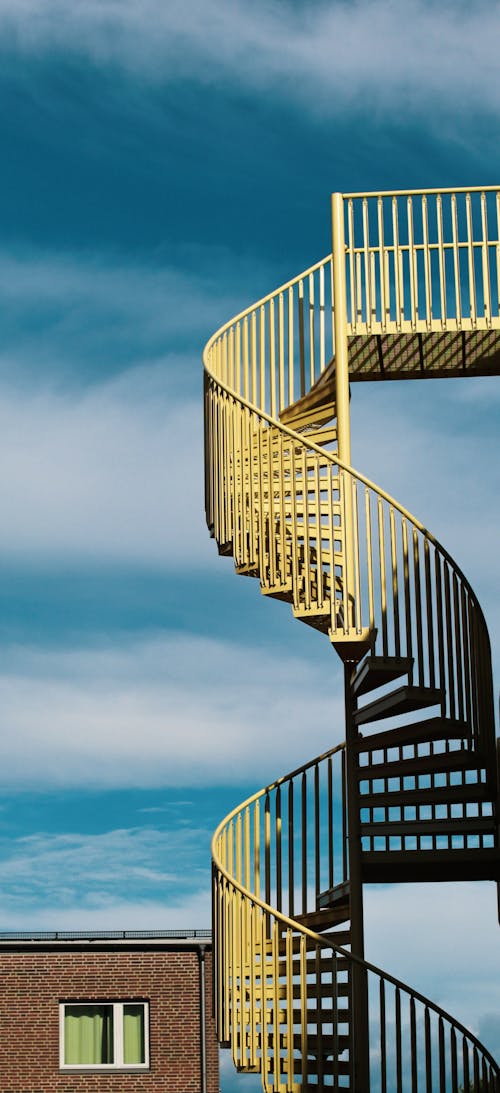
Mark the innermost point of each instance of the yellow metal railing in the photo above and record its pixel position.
(357, 565)
(283, 993)
(423, 261)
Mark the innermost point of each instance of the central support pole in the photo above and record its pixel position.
(360, 1024)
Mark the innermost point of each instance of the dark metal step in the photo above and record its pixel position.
(443, 762)
(457, 825)
(324, 918)
(468, 793)
(411, 866)
(403, 700)
(435, 728)
(376, 671)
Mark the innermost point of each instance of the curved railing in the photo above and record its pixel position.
(283, 993)
(354, 563)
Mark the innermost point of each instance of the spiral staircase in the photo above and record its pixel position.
(411, 290)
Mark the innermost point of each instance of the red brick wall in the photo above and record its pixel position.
(33, 983)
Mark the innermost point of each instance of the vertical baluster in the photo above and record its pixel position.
(239, 849)
(440, 635)
(384, 288)
(470, 257)
(291, 852)
(303, 1006)
(383, 1039)
(428, 1051)
(262, 358)
(359, 290)
(413, 1047)
(369, 561)
(272, 359)
(322, 345)
(398, 271)
(279, 862)
(465, 1062)
(238, 358)
(456, 260)
(256, 849)
(318, 1021)
(395, 585)
(358, 619)
(427, 263)
(246, 359)
(331, 471)
(289, 1011)
(300, 305)
(367, 265)
(253, 354)
(304, 841)
(406, 579)
(459, 643)
(467, 667)
(449, 640)
(335, 1020)
(246, 849)
(476, 1069)
(345, 871)
(307, 532)
(331, 843)
(317, 843)
(485, 261)
(453, 1058)
(442, 1057)
(291, 361)
(319, 531)
(267, 848)
(399, 1056)
(352, 267)
(441, 258)
(312, 332)
(412, 256)
(429, 614)
(383, 581)
(281, 350)
(418, 607)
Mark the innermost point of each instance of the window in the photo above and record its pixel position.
(103, 1035)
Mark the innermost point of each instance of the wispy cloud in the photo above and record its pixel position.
(93, 474)
(179, 710)
(81, 315)
(371, 52)
(91, 872)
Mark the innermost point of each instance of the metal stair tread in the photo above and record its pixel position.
(403, 700)
(375, 671)
(442, 762)
(418, 732)
(468, 793)
(454, 825)
(408, 866)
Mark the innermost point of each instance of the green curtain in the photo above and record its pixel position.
(88, 1035)
(133, 1034)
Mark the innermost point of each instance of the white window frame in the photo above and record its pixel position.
(118, 1063)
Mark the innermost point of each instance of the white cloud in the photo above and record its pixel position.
(418, 58)
(177, 710)
(90, 872)
(94, 474)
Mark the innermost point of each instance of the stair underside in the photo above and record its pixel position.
(413, 866)
(404, 700)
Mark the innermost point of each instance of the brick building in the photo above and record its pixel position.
(108, 1013)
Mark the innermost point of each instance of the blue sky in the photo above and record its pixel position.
(164, 165)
